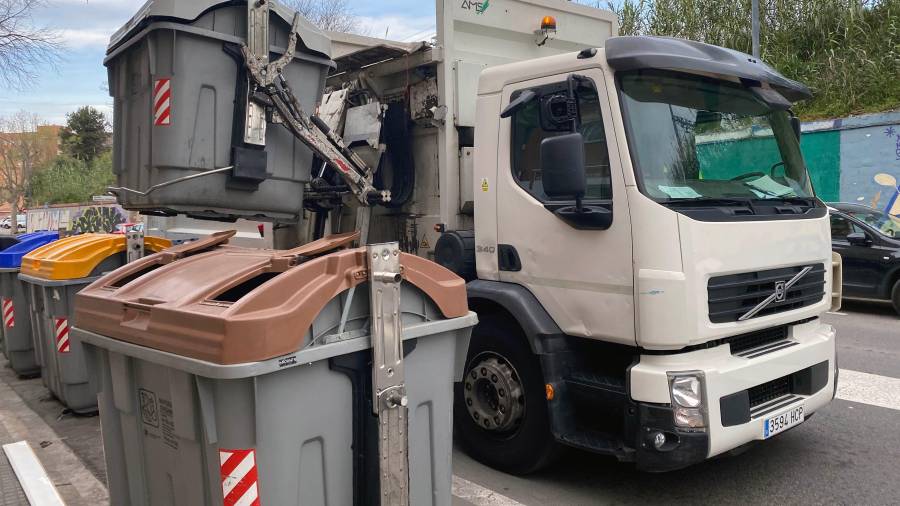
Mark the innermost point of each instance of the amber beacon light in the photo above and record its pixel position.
(547, 31)
(548, 24)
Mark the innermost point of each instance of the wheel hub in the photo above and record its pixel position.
(494, 394)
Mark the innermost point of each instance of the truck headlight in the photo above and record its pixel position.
(687, 399)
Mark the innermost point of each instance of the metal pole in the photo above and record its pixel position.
(755, 26)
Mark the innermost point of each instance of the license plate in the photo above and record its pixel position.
(783, 421)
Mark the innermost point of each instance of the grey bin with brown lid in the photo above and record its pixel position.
(228, 373)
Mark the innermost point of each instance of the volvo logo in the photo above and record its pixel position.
(780, 294)
(780, 291)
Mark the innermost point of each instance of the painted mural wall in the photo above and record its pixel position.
(856, 159)
(77, 219)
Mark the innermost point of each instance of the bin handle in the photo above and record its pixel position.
(122, 189)
(323, 245)
(186, 249)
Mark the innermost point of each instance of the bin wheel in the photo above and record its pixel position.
(500, 409)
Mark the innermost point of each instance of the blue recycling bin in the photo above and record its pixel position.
(15, 328)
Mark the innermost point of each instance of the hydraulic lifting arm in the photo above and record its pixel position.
(271, 91)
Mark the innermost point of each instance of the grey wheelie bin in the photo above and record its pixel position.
(178, 78)
(52, 275)
(18, 345)
(235, 376)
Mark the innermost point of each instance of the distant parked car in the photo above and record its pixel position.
(20, 222)
(124, 228)
(869, 242)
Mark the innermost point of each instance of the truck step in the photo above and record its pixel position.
(598, 442)
(597, 381)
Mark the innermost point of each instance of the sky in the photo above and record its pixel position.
(86, 25)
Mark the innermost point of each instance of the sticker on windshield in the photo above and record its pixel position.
(679, 192)
(770, 187)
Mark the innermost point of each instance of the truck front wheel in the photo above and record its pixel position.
(500, 406)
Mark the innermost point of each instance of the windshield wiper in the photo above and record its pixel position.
(712, 201)
(809, 201)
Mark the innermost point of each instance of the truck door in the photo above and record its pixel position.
(582, 277)
(861, 272)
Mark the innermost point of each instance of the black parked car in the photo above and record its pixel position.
(869, 242)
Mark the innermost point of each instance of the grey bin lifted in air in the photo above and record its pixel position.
(176, 74)
(212, 393)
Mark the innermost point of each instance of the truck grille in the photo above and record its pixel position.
(761, 342)
(733, 295)
(770, 391)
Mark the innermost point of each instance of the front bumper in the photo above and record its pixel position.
(735, 394)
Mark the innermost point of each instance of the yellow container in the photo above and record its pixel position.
(78, 256)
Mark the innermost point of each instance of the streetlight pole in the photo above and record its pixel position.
(755, 26)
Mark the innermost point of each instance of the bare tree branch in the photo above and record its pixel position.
(24, 47)
(330, 15)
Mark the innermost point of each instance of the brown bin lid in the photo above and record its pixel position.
(230, 305)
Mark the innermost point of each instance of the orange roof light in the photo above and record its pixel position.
(548, 23)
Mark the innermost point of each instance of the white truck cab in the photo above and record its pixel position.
(652, 260)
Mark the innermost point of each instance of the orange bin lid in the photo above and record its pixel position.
(77, 256)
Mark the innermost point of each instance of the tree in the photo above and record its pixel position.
(24, 47)
(846, 51)
(85, 137)
(68, 180)
(25, 146)
(330, 15)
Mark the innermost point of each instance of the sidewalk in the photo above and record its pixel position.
(28, 412)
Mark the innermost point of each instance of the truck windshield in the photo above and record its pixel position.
(699, 139)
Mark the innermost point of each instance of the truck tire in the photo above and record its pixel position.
(895, 296)
(500, 408)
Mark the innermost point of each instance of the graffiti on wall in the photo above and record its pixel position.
(888, 197)
(870, 161)
(97, 219)
(77, 219)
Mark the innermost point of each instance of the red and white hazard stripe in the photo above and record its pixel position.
(240, 485)
(62, 335)
(162, 102)
(9, 313)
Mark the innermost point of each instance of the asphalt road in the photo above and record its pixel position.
(848, 453)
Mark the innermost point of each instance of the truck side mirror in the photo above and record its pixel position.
(563, 166)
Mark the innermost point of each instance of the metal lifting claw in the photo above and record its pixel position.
(267, 78)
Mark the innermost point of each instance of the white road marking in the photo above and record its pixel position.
(31, 474)
(872, 389)
(478, 495)
(835, 312)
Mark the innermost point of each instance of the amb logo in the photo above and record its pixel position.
(478, 7)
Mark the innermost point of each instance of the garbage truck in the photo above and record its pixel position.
(640, 235)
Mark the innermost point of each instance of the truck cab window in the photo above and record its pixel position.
(529, 129)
